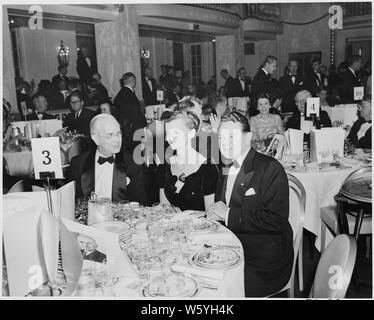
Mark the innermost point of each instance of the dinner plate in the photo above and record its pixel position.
(171, 285)
(141, 225)
(164, 259)
(215, 258)
(117, 227)
(204, 225)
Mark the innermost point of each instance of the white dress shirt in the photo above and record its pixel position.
(267, 73)
(88, 60)
(353, 72)
(364, 127)
(232, 175)
(242, 82)
(103, 178)
(130, 88)
(149, 83)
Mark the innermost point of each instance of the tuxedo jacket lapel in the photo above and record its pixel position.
(119, 184)
(88, 175)
(242, 181)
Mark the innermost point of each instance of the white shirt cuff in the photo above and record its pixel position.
(227, 216)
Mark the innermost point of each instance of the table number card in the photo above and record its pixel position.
(160, 95)
(312, 107)
(46, 158)
(358, 93)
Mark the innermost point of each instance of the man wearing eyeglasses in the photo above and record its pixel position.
(108, 172)
(252, 200)
(79, 118)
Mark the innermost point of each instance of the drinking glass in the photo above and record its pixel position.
(99, 210)
(324, 153)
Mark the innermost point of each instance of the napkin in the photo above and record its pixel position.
(212, 274)
(203, 237)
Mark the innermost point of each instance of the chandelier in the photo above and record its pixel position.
(63, 55)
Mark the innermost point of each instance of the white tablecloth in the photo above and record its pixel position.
(231, 286)
(320, 188)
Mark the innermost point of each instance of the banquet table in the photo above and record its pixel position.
(213, 283)
(320, 187)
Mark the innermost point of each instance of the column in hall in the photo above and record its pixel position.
(118, 50)
(9, 86)
(225, 57)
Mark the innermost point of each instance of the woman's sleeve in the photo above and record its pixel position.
(279, 123)
(253, 126)
(210, 179)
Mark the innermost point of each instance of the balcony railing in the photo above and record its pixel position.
(355, 9)
(223, 7)
(268, 12)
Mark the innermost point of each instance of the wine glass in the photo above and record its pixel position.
(324, 153)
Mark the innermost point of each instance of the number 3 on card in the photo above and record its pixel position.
(46, 157)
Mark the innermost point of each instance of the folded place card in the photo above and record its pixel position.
(62, 199)
(294, 140)
(344, 115)
(24, 258)
(325, 143)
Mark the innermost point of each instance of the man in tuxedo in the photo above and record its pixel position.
(253, 201)
(241, 84)
(129, 114)
(290, 84)
(85, 66)
(314, 79)
(229, 83)
(40, 106)
(62, 71)
(97, 77)
(350, 79)
(79, 119)
(89, 249)
(108, 171)
(149, 87)
(262, 82)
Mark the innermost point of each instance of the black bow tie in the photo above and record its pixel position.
(102, 160)
(234, 163)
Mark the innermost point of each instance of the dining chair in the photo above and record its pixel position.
(349, 216)
(335, 268)
(297, 199)
(20, 186)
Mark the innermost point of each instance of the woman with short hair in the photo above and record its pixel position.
(187, 179)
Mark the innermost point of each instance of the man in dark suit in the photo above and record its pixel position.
(300, 122)
(97, 77)
(108, 171)
(149, 87)
(252, 198)
(229, 83)
(360, 134)
(262, 82)
(86, 67)
(62, 71)
(89, 249)
(241, 84)
(40, 108)
(350, 79)
(129, 114)
(289, 85)
(314, 80)
(79, 119)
